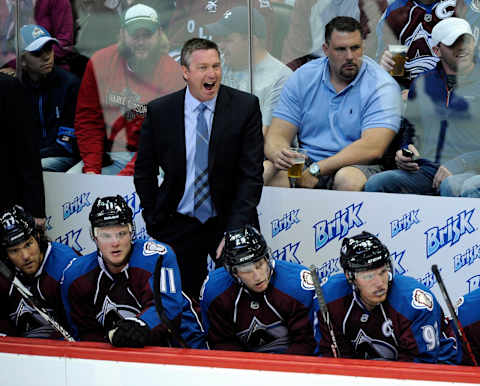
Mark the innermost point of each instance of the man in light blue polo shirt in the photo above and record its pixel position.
(344, 109)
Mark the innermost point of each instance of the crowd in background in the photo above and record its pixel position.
(89, 97)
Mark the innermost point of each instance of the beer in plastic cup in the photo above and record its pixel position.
(399, 54)
(296, 170)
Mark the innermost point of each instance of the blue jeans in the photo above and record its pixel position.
(57, 164)
(402, 181)
(120, 160)
(461, 185)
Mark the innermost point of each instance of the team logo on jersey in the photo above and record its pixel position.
(459, 302)
(211, 6)
(422, 300)
(306, 280)
(370, 348)
(254, 305)
(364, 318)
(150, 248)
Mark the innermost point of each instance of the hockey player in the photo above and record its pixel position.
(377, 316)
(38, 264)
(109, 295)
(255, 303)
(469, 316)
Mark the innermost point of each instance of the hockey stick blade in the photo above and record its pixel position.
(33, 302)
(453, 314)
(324, 310)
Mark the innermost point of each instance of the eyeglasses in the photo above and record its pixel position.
(105, 236)
(47, 48)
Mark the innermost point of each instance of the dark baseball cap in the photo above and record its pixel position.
(236, 20)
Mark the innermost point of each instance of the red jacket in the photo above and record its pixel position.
(112, 96)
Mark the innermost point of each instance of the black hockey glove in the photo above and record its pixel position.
(131, 332)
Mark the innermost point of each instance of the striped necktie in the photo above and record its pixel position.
(202, 202)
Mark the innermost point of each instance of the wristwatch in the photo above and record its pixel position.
(314, 170)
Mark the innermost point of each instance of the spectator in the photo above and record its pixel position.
(20, 160)
(442, 111)
(306, 34)
(375, 315)
(410, 22)
(119, 80)
(255, 303)
(97, 25)
(269, 74)
(53, 93)
(208, 140)
(53, 15)
(344, 109)
(38, 264)
(466, 180)
(191, 17)
(110, 294)
(469, 316)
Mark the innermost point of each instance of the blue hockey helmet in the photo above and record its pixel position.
(363, 252)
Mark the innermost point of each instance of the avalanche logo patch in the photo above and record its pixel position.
(150, 248)
(459, 303)
(422, 300)
(306, 280)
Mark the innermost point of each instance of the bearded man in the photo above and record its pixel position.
(118, 83)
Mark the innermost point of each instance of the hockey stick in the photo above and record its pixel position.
(33, 302)
(158, 303)
(324, 310)
(458, 325)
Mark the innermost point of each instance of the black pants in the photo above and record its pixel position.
(192, 242)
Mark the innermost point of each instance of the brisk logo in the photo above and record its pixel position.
(428, 280)
(473, 283)
(286, 222)
(405, 222)
(71, 239)
(342, 223)
(328, 268)
(437, 238)
(76, 205)
(287, 253)
(133, 202)
(468, 257)
(397, 258)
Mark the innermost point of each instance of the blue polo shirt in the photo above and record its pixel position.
(328, 121)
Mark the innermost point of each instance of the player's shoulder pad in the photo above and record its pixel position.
(59, 257)
(215, 284)
(409, 296)
(146, 253)
(294, 280)
(78, 267)
(468, 308)
(335, 287)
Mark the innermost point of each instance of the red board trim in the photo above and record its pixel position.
(241, 360)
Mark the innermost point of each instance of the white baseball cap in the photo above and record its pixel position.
(140, 16)
(448, 30)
